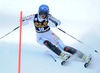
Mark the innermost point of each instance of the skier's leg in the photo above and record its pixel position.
(57, 41)
(50, 41)
(56, 50)
(69, 49)
(78, 53)
(52, 47)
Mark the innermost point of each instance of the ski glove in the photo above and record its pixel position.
(24, 21)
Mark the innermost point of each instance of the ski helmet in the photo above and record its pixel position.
(43, 9)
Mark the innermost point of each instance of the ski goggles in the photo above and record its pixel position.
(43, 14)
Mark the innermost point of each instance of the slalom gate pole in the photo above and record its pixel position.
(77, 40)
(20, 43)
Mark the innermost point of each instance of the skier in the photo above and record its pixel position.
(42, 22)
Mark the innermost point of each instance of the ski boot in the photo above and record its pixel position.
(65, 57)
(86, 59)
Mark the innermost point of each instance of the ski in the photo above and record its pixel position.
(87, 63)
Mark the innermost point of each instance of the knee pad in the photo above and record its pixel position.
(70, 50)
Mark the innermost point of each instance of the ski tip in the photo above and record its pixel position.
(86, 65)
(63, 62)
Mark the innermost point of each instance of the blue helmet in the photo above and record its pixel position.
(43, 8)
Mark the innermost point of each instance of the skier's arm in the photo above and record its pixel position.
(53, 21)
(26, 19)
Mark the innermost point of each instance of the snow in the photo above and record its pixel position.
(79, 18)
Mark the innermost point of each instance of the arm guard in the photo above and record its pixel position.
(53, 21)
(27, 18)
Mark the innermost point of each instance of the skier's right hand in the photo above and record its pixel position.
(24, 21)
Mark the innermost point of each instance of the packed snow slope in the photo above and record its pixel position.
(80, 19)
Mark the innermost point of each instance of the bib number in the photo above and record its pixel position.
(41, 29)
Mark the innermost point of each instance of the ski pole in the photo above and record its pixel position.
(77, 40)
(9, 32)
(51, 55)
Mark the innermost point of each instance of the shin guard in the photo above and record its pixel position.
(52, 47)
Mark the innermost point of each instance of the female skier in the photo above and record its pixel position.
(42, 22)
